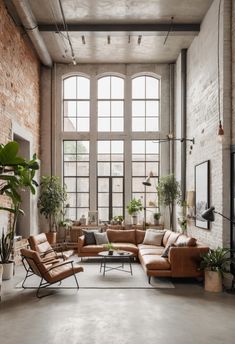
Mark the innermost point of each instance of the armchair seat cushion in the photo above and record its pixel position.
(155, 262)
(61, 272)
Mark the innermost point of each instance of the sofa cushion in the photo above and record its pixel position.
(127, 236)
(101, 238)
(166, 250)
(184, 240)
(92, 249)
(90, 236)
(155, 262)
(166, 236)
(141, 246)
(139, 236)
(153, 237)
(156, 250)
(172, 238)
(126, 247)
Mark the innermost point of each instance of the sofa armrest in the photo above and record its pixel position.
(185, 261)
(81, 242)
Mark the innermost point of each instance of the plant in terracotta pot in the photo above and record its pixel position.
(16, 175)
(133, 208)
(156, 217)
(214, 263)
(50, 203)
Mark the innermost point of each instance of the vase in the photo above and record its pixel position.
(110, 253)
(8, 270)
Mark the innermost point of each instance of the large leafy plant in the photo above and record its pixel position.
(16, 175)
(216, 260)
(134, 206)
(169, 192)
(51, 200)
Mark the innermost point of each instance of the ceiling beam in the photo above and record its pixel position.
(148, 27)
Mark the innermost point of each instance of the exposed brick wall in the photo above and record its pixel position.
(19, 81)
(19, 85)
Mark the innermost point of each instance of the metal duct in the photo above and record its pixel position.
(30, 25)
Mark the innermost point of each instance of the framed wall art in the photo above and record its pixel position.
(202, 183)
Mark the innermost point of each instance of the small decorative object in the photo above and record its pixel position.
(82, 220)
(156, 217)
(215, 263)
(202, 193)
(109, 247)
(133, 208)
(93, 218)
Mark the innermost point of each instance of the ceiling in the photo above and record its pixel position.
(135, 35)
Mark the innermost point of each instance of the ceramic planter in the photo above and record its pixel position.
(134, 219)
(213, 281)
(8, 269)
(228, 280)
(51, 237)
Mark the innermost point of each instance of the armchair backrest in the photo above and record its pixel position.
(34, 261)
(40, 244)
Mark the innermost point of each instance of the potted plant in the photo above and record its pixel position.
(117, 219)
(215, 263)
(16, 175)
(156, 217)
(109, 247)
(50, 203)
(169, 192)
(133, 208)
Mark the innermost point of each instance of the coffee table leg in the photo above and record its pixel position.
(101, 264)
(104, 266)
(130, 265)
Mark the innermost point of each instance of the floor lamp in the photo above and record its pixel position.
(146, 182)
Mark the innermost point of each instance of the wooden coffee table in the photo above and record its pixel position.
(121, 256)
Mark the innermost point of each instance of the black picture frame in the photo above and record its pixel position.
(202, 193)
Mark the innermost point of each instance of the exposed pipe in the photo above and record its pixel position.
(30, 25)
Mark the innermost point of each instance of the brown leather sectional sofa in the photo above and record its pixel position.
(183, 258)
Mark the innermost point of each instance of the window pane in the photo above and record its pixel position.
(83, 88)
(138, 87)
(82, 211)
(138, 169)
(152, 166)
(103, 199)
(70, 109)
(70, 88)
(70, 184)
(71, 199)
(151, 147)
(69, 124)
(138, 147)
(117, 184)
(137, 185)
(72, 214)
(103, 185)
(152, 87)
(117, 87)
(117, 169)
(117, 199)
(82, 200)
(104, 108)
(152, 124)
(83, 109)
(152, 108)
(70, 169)
(117, 124)
(103, 124)
(117, 211)
(82, 169)
(138, 124)
(117, 108)
(103, 146)
(83, 147)
(82, 184)
(117, 147)
(83, 124)
(150, 198)
(138, 108)
(103, 214)
(103, 168)
(104, 88)
(70, 147)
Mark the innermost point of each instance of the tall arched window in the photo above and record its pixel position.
(76, 104)
(110, 104)
(145, 103)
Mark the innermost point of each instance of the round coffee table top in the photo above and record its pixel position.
(116, 253)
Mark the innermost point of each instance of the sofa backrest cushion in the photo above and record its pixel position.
(101, 238)
(166, 237)
(90, 236)
(172, 238)
(121, 235)
(184, 240)
(153, 237)
(139, 236)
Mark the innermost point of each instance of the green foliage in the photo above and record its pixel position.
(216, 260)
(118, 218)
(183, 223)
(51, 199)
(134, 206)
(169, 192)
(16, 175)
(109, 247)
(156, 216)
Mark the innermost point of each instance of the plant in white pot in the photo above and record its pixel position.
(133, 208)
(215, 263)
(16, 175)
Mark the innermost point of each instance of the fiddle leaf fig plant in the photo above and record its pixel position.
(16, 175)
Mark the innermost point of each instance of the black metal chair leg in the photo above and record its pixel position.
(149, 278)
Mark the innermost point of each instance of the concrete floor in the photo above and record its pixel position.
(186, 314)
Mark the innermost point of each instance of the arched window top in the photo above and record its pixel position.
(76, 87)
(110, 87)
(145, 87)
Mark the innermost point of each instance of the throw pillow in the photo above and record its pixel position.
(89, 238)
(166, 251)
(153, 237)
(101, 238)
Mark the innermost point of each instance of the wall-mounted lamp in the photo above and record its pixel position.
(170, 137)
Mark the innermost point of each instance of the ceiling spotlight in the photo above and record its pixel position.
(139, 39)
(83, 39)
